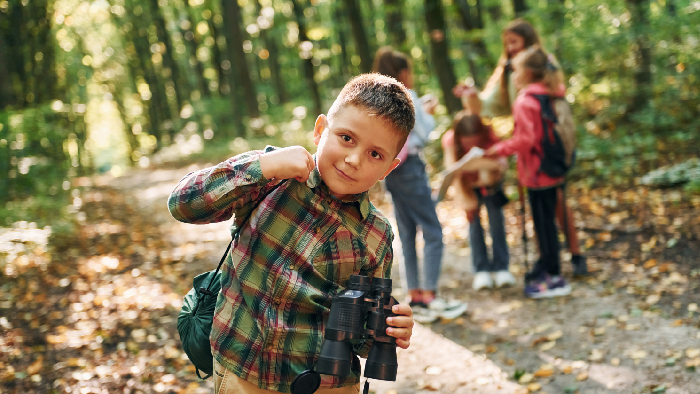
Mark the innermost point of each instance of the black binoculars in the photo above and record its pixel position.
(359, 312)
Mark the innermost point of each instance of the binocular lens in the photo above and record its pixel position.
(381, 362)
(335, 358)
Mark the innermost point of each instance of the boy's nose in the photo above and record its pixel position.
(353, 159)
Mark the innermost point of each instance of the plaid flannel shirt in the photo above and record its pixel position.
(296, 251)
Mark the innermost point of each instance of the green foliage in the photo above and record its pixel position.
(688, 171)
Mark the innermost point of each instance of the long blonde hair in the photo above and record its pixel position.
(541, 66)
(524, 29)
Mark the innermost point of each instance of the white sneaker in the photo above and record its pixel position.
(424, 315)
(451, 309)
(504, 278)
(482, 280)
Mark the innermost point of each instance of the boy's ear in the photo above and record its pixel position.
(320, 126)
(393, 165)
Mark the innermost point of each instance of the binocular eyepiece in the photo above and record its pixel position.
(359, 312)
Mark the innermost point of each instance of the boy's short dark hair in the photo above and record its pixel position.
(380, 96)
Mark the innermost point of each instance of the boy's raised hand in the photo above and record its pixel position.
(401, 325)
(286, 163)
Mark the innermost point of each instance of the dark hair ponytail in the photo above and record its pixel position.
(467, 125)
(389, 62)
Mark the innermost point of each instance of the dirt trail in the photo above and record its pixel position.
(107, 322)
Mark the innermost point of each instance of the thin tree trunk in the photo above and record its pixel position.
(394, 23)
(470, 22)
(233, 20)
(308, 65)
(642, 73)
(440, 53)
(339, 22)
(169, 63)
(217, 54)
(192, 40)
(358, 31)
(6, 94)
(17, 70)
(273, 60)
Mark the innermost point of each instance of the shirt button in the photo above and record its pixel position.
(317, 230)
(277, 302)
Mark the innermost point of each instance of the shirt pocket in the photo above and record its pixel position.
(339, 258)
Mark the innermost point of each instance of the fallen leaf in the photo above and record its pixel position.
(433, 370)
(615, 362)
(599, 331)
(567, 370)
(532, 387)
(582, 376)
(491, 349)
(36, 366)
(596, 355)
(544, 373)
(650, 263)
(555, 335)
(653, 299)
(692, 353)
(547, 346)
(510, 362)
(638, 354)
(526, 378)
(677, 323)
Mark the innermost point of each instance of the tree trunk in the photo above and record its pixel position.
(519, 7)
(273, 60)
(394, 23)
(176, 77)
(233, 21)
(6, 94)
(358, 31)
(192, 40)
(16, 46)
(440, 53)
(642, 73)
(339, 23)
(475, 45)
(308, 65)
(218, 56)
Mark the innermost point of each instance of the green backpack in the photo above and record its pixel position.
(197, 313)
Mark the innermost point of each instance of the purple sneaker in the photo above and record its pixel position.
(547, 286)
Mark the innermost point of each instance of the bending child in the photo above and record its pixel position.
(303, 240)
(534, 73)
(475, 189)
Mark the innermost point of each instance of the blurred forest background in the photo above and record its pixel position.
(105, 85)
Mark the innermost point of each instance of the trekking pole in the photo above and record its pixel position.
(565, 222)
(521, 196)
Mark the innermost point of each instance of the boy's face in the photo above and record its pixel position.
(355, 151)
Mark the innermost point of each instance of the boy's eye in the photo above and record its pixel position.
(346, 138)
(375, 154)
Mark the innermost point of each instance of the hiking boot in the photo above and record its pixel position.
(547, 286)
(580, 266)
(503, 278)
(482, 280)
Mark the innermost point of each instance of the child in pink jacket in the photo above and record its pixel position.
(535, 74)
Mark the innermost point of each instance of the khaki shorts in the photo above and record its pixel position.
(227, 382)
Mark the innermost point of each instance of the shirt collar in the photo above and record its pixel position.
(361, 199)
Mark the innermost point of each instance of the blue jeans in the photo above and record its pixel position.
(413, 207)
(480, 257)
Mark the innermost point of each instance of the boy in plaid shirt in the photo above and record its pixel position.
(303, 240)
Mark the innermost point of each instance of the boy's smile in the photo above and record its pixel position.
(355, 151)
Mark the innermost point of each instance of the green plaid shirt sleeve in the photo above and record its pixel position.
(296, 251)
